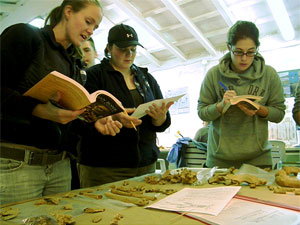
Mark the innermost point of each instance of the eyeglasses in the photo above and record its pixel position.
(240, 53)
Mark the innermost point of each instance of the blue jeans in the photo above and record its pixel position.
(20, 181)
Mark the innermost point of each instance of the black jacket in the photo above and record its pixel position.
(27, 55)
(129, 148)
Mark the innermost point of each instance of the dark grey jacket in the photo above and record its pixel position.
(27, 55)
(129, 148)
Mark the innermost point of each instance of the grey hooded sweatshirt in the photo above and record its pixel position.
(235, 138)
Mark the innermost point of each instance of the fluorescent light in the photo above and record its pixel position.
(282, 19)
(37, 22)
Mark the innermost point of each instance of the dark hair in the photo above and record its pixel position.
(106, 53)
(56, 15)
(241, 30)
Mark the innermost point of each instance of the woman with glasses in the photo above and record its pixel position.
(241, 134)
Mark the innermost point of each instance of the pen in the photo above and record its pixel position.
(133, 125)
(225, 88)
(130, 121)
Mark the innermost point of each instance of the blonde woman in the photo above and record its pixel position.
(34, 135)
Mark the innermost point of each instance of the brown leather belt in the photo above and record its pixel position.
(30, 155)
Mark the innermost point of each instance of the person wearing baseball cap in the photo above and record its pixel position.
(123, 36)
(131, 152)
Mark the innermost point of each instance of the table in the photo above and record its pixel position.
(132, 215)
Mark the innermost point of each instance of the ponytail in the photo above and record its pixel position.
(106, 52)
(56, 15)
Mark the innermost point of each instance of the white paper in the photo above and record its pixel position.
(201, 200)
(243, 212)
(140, 110)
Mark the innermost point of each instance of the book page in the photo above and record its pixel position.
(202, 200)
(95, 94)
(251, 97)
(140, 110)
(105, 105)
(239, 212)
(73, 95)
(249, 104)
(238, 99)
(246, 100)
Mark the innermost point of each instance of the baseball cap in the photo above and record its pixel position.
(123, 36)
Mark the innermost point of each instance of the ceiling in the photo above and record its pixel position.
(173, 32)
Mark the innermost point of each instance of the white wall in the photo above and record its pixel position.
(192, 75)
(283, 59)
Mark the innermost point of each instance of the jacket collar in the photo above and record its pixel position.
(140, 80)
(49, 35)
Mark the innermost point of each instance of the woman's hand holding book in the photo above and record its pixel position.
(49, 111)
(246, 110)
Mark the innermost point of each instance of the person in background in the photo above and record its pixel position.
(89, 53)
(296, 109)
(202, 133)
(130, 153)
(241, 134)
(35, 135)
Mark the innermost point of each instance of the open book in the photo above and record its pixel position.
(141, 109)
(250, 101)
(74, 97)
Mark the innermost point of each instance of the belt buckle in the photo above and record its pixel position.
(28, 157)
